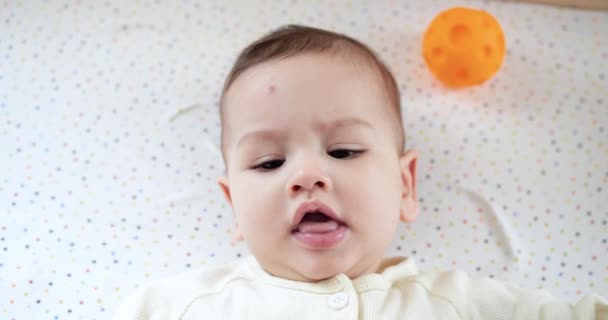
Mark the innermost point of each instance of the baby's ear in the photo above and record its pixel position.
(237, 235)
(409, 202)
(223, 183)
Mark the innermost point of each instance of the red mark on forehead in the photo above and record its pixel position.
(271, 88)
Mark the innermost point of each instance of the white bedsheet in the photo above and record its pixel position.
(109, 133)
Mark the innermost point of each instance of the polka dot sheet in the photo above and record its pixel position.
(109, 132)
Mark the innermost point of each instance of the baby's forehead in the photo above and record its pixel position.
(301, 82)
(246, 101)
(271, 76)
(314, 62)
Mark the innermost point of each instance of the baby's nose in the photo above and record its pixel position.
(307, 178)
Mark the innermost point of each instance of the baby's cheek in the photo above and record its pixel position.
(258, 201)
(384, 186)
(242, 200)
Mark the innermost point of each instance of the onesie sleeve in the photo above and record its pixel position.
(142, 304)
(158, 300)
(485, 298)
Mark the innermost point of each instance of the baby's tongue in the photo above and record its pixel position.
(318, 227)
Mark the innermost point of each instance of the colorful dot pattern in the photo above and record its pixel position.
(109, 133)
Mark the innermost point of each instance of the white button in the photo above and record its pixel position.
(338, 300)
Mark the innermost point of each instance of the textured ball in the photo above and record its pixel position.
(463, 47)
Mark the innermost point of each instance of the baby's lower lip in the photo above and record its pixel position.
(321, 241)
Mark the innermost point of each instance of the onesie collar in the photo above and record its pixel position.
(391, 270)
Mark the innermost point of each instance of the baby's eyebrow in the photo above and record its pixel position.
(259, 134)
(345, 122)
(340, 123)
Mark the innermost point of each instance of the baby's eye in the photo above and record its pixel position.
(269, 165)
(344, 153)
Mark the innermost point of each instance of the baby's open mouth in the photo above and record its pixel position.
(319, 229)
(317, 222)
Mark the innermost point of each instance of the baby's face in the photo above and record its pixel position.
(315, 128)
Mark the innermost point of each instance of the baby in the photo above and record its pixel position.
(319, 181)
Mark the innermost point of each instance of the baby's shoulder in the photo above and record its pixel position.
(459, 282)
(449, 284)
(204, 278)
(170, 294)
(472, 295)
(483, 297)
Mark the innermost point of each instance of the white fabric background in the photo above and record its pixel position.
(109, 133)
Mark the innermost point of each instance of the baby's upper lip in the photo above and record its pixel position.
(312, 206)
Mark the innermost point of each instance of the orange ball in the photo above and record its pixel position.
(463, 47)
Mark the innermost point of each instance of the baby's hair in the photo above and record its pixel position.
(291, 40)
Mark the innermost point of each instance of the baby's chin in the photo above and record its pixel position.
(315, 271)
(303, 272)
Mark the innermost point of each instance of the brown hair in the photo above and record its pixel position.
(291, 40)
